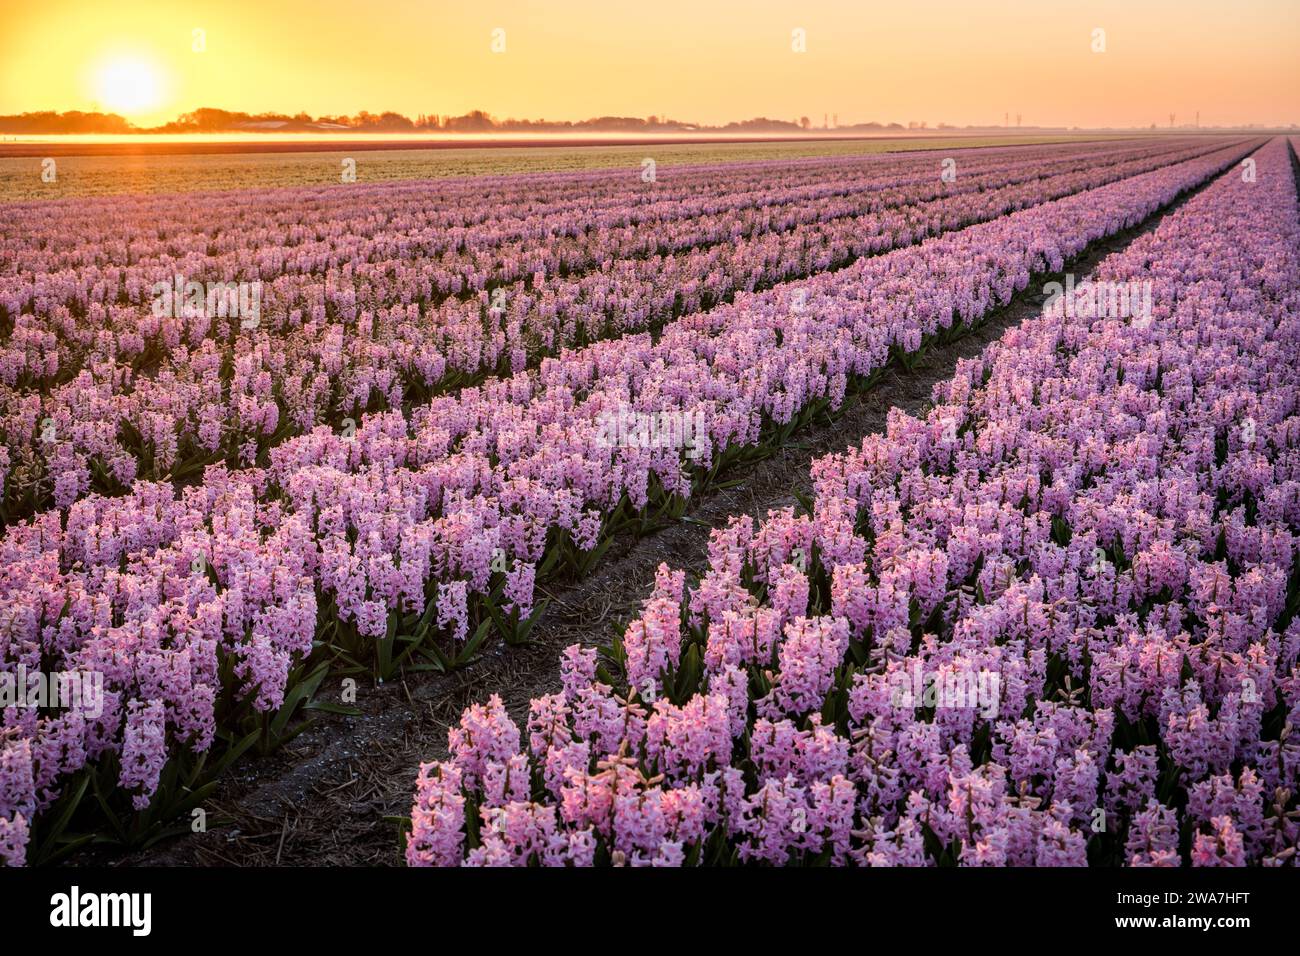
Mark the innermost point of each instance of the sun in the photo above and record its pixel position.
(128, 86)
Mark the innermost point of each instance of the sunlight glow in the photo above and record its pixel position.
(129, 86)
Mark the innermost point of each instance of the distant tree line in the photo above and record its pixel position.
(73, 121)
(210, 120)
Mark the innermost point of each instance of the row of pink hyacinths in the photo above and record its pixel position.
(1104, 513)
(358, 314)
(146, 587)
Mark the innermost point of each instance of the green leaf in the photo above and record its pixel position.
(300, 693)
(68, 804)
(472, 645)
(329, 707)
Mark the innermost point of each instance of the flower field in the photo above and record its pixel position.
(256, 441)
(365, 313)
(1096, 523)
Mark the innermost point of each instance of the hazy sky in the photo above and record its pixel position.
(956, 61)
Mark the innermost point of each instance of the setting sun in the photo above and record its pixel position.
(128, 86)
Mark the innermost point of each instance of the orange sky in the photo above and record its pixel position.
(703, 60)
